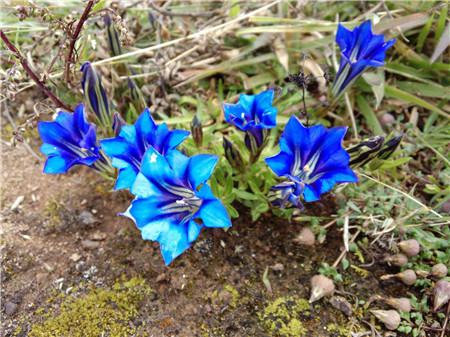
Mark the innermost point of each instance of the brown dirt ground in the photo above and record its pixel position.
(42, 237)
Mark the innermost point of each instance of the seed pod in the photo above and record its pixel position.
(305, 237)
(410, 247)
(441, 294)
(401, 304)
(408, 277)
(439, 270)
(398, 260)
(321, 286)
(390, 318)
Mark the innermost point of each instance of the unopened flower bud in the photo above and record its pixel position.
(137, 98)
(390, 318)
(365, 151)
(410, 247)
(441, 294)
(439, 270)
(321, 286)
(95, 94)
(305, 237)
(401, 304)
(389, 147)
(232, 154)
(113, 36)
(117, 124)
(197, 131)
(398, 260)
(408, 277)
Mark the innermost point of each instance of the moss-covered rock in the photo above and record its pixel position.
(101, 312)
(282, 317)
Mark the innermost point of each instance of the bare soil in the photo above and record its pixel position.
(66, 233)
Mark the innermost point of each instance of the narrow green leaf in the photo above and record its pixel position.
(424, 33)
(369, 115)
(407, 97)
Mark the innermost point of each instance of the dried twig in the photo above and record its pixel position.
(444, 327)
(74, 39)
(32, 74)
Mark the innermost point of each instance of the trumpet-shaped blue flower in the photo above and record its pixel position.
(253, 114)
(67, 141)
(313, 160)
(173, 202)
(128, 148)
(360, 49)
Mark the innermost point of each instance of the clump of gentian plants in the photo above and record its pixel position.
(173, 200)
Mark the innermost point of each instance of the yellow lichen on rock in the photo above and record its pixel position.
(101, 312)
(282, 317)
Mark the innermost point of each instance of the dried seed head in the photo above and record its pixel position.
(390, 318)
(305, 237)
(398, 260)
(441, 294)
(320, 286)
(407, 276)
(439, 270)
(410, 247)
(387, 119)
(401, 304)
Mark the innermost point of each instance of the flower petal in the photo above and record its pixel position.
(173, 242)
(194, 230)
(200, 169)
(280, 164)
(214, 214)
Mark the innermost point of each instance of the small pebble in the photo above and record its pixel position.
(10, 308)
(89, 244)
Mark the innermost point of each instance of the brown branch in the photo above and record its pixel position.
(32, 74)
(74, 39)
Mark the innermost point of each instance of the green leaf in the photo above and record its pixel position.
(424, 89)
(407, 97)
(376, 82)
(424, 33)
(369, 115)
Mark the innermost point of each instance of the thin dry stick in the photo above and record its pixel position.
(31, 73)
(225, 26)
(74, 39)
(444, 327)
(403, 193)
(340, 257)
(170, 13)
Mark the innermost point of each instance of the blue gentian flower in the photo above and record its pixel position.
(255, 115)
(95, 94)
(360, 49)
(173, 202)
(313, 160)
(68, 140)
(128, 148)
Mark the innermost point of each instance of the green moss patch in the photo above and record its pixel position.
(101, 312)
(282, 317)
